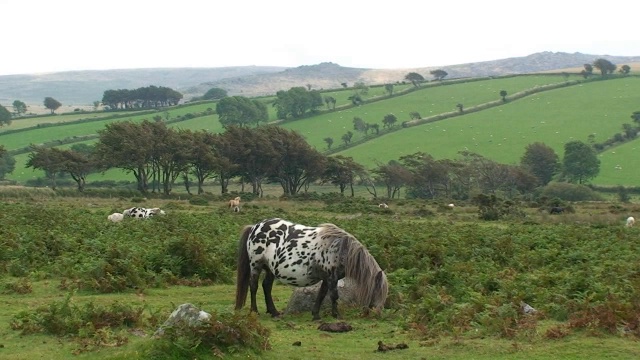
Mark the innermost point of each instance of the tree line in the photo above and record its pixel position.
(144, 97)
(160, 157)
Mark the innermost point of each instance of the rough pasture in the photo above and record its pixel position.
(453, 279)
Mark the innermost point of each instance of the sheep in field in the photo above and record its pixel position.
(116, 217)
(630, 221)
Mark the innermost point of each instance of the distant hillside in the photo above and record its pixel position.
(84, 87)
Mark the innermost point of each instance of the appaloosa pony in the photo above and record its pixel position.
(301, 255)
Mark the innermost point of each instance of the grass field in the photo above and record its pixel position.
(428, 101)
(501, 133)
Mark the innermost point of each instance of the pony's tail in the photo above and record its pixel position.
(244, 271)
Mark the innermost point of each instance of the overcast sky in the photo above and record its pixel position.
(61, 35)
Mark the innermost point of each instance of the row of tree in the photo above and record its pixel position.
(159, 157)
(144, 97)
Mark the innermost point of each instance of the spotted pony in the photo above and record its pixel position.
(142, 213)
(301, 255)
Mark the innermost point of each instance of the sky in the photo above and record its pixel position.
(40, 36)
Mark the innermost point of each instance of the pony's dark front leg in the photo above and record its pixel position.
(267, 285)
(315, 311)
(333, 295)
(253, 287)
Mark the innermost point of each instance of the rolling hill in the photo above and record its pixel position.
(574, 109)
(82, 88)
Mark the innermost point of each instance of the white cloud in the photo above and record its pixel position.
(43, 36)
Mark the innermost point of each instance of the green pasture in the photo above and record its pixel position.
(619, 165)
(21, 123)
(427, 101)
(502, 133)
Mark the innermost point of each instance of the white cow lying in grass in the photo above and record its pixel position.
(142, 213)
(116, 217)
(630, 221)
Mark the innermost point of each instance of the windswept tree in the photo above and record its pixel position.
(503, 95)
(330, 101)
(587, 71)
(19, 107)
(541, 161)
(580, 162)
(361, 88)
(430, 178)
(295, 164)
(624, 69)
(329, 142)
(202, 157)
(394, 176)
(342, 172)
(214, 94)
(51, 104)
(296, 102)
(605, 66)
(5, 116)
(415, 78)
(389, 89)
(128, 146)
(359, 124)
(389, 120)
(7, 163)
(346, 138)
(241, 111)
(49, 160)
(438, 74)
(252, 150)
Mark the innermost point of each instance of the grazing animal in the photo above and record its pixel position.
(451, 206)
(383, 205)
(142, 213)
(630, 221)
(116, 217)
(301, 255)
(234, 204)
(556, 210)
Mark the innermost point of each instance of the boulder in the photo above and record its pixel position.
(186, 314)
(303, 298)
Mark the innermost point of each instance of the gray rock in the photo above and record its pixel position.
(303, 298)
(527, 309)
(186, 313)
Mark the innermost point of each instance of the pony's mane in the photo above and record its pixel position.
(359, 265)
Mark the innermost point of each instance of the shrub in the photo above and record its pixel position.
(198, 200)
(20, 286)
(570, 192)
(221, 335)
